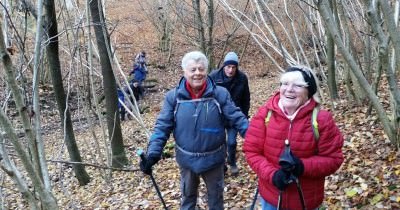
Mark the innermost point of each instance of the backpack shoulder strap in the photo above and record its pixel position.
(314, 123)
(175, 101)
(268, 117)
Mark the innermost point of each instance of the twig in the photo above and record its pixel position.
(93, 165)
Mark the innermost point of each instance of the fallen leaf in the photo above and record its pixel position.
(352, 192)
(376, 199)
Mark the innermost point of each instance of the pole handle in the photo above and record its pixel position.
(141, 154)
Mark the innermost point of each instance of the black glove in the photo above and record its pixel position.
(147, 163)
(281, 179)
(297, 168)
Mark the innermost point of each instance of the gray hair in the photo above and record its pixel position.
(196, 56)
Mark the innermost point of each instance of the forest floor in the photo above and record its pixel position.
(368, 178)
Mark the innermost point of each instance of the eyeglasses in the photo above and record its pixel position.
(297, 87)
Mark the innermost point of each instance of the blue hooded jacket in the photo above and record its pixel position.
(139, 73)
(197, 126)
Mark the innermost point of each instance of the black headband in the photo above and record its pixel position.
(308, 78)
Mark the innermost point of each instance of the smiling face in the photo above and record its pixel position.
(293, 91)
(195, 74)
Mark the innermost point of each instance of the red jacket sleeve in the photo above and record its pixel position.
(253, 146)
(330, 156)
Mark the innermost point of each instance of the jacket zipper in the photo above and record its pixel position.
(289, 132)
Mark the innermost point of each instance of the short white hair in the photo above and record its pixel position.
(195, 56)
(293, 76)
(299, 72)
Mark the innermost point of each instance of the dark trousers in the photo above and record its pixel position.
(214, 180)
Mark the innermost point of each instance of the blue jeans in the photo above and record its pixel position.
(232, 134)
(267, 206)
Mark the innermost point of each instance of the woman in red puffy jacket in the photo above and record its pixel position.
(313, 157)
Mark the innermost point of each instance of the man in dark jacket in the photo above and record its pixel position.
(235, 81)
(196, 112)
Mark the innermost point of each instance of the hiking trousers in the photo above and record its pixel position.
(214, 180)
(231, 135)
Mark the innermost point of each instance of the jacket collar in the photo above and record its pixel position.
(303, 111)
(183, 94)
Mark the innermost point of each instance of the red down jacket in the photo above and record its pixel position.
(264, 144)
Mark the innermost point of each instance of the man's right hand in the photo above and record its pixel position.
(146, 164)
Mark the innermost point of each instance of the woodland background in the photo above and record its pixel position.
(354, 46)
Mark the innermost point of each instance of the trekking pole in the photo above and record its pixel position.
(279, 200)
(300, 191)
(254, 200)
(141, 155)
(287, 159)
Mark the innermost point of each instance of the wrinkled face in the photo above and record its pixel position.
(230, 70)
(293, 91)
(195, 74)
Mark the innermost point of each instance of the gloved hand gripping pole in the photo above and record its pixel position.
(287, 163)
(142, 156)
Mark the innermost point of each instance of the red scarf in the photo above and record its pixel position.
(191, 92)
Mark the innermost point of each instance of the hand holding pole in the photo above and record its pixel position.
(142, 156)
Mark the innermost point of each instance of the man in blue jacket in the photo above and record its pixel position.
(196, 112)
(235, 81)
(139, 76)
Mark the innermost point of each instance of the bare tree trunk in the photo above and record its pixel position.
(394, 65)
(65, 116)
(11, 170)
(48, 201)
(41, 165)
(110, 89)
(359, 94)
(330, 46)
(210, 27)
(323, 6)
(199, 25)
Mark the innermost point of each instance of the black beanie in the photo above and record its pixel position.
(308, 78)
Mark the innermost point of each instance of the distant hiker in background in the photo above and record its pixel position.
(139, 76)
(141, 60)
(235, 81)
(285, 148)
(121, 99)
(121, 108)
(195, 112)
